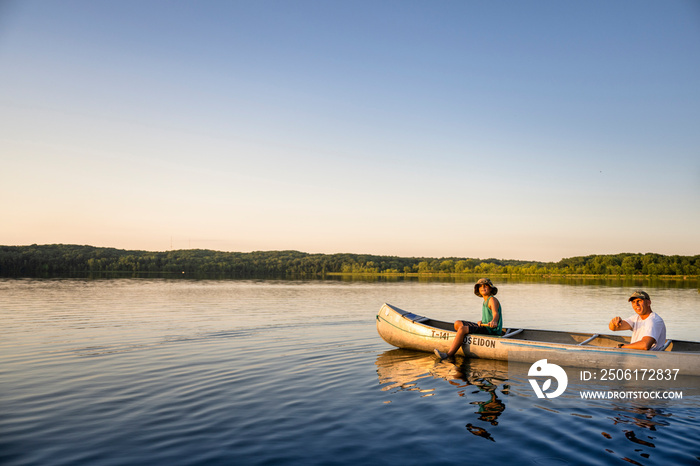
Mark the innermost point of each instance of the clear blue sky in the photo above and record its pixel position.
(509, 129)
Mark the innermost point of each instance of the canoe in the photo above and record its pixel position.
(597, 351)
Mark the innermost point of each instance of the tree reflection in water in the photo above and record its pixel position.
(402, 370)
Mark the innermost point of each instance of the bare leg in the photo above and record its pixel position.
(462, 331)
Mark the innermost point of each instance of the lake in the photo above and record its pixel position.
(246, 372)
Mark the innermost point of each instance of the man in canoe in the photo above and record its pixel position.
(648, 329)
(491, 322)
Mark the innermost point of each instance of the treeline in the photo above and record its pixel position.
(60, 259)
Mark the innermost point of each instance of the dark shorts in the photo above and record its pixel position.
(476, 328)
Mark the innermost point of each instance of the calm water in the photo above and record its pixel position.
(183, 372)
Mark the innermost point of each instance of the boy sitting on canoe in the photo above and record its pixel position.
(491, 322)
(648, 329)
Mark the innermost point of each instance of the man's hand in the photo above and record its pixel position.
(618, 324)
(614, 323)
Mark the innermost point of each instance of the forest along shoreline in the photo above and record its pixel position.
(62, 259)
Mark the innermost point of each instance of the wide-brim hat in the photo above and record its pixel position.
(484, 281)
(639, 294)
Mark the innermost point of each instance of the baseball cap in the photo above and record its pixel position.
(639, 294)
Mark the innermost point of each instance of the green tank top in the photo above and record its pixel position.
(487, 316)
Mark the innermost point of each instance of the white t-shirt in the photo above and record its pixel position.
(653, 326)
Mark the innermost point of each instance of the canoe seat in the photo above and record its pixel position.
(513, 333)
(666, 345)
(588, 340)
(415, 318)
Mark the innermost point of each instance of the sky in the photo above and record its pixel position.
(532, 130)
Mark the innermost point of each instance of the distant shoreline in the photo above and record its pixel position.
(62, 259)
(508, 275)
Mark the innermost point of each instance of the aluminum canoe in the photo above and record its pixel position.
(412, 331)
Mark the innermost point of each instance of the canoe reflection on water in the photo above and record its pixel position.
(402, 370)
(633, 430)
